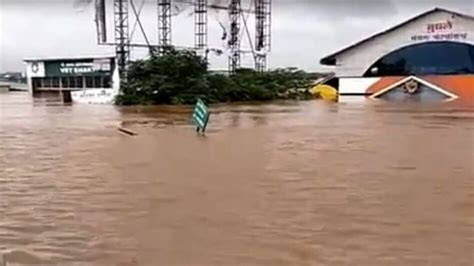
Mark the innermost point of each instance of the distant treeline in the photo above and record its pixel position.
(181, 77)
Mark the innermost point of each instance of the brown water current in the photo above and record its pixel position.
(291, 183)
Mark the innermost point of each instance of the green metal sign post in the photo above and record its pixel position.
(201, 116)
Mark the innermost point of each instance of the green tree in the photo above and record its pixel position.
(181, 77)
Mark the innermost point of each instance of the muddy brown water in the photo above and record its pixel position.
(309, 183)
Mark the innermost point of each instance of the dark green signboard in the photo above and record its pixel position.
(201, 116)
(95, 67)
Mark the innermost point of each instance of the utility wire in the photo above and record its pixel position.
(132, 4)
(136, 21)
(248, 31)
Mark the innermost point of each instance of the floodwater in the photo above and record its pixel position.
(310, 183)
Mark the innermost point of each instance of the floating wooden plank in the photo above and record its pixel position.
(127, 131)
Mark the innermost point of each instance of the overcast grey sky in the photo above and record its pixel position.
(303, 30)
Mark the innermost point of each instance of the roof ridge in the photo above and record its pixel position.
(329, 60)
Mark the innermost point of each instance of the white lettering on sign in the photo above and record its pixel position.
(84, 67)
(75, 68)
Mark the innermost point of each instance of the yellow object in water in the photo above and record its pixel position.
(325, 92)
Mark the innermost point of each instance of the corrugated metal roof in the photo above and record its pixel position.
(330, 59)
(57, 58)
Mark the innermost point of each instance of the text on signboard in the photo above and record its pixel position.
(440, 26)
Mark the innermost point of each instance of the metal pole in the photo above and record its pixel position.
(234, 42)
(262, 33)
(200, 25)
(164, 25)
(122, 42)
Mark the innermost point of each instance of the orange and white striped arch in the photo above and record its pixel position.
(460, 87)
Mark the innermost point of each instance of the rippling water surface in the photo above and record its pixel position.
(310, 183)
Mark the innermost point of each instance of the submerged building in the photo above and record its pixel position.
(427, 58)
(87, 78)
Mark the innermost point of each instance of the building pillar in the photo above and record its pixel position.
(29, 82)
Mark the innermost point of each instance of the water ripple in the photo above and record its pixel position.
(278, 184)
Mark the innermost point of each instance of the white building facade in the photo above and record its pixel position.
(436, 43)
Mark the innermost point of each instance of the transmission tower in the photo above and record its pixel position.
(235, 10)
(122, 42)
(200, 25)
(164, 25)
(262, 33)
(233, 35)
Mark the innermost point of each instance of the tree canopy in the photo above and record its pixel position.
(181, 77)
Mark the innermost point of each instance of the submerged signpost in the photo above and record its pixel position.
(201, 116)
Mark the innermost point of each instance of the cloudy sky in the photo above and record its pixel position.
(303, 30)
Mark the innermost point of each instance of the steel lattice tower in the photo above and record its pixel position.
(122, 42)
(200, 24)
(262, 33)
(235, 10)
(262, 47)
(164, 25)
